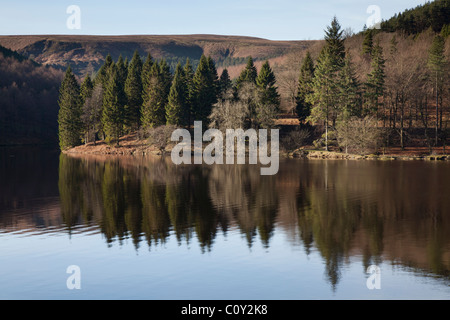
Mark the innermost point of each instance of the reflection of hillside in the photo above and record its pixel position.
(28, 188)
(379, 211)
(45, 213)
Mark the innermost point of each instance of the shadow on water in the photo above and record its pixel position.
(397, 212)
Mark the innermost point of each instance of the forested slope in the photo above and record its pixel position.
(28, 100)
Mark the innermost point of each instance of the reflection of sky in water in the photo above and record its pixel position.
(35, 267)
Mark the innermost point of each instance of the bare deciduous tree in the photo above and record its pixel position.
(160, 136)
(359, 135)
(295, 139)
(229, 114)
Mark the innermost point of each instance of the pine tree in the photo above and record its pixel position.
(367, 45)
(266, 85)
(188, 72)
(113, 108)
(108, 61)
(214, 77)
(69, 116)
(325, 86)
(249, 74)
(166, 79)
(348, 87)
(335, 42)
(176, 105)
(324, 91)
(393, 46)
(268, 100)
(146, 75)
(122, 71)
(204, 91)
(86, 89)
(104, 72)
(436, 64)
(153, 111)
(225, 84)
(133, 90)
(375, 79)
(306, 77)
(101, 75)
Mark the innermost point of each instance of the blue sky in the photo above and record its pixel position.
(275, 20)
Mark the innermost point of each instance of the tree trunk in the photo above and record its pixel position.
(437, 110)
(402, 145)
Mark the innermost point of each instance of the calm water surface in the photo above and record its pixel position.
(142, 228)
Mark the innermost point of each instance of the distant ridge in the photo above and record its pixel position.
(85, 53)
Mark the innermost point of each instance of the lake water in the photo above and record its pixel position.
(142, 228)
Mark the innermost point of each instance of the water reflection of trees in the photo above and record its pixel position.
(146, 199)
(379, 211)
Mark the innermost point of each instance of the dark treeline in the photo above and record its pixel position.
(28, 100)
(150, 201)
(143, 94)
(434, 15)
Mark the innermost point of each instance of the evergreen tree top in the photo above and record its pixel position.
(179, 69)
(335, 42)
(108, 60)
(120, 61)
(266, 77)
(308, 64)
(188, 69)
(136, 55)
(69, 80)
(148, 62)
(203, 66)
(225, 75)
(248, 74)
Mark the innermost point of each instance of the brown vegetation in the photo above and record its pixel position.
(87, 53)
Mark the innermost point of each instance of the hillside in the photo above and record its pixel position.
(433, 15)
(86, 53)
(28, 100)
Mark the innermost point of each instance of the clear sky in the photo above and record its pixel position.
(275, 19)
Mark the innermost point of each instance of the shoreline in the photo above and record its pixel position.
(131, 146)
(331, 155)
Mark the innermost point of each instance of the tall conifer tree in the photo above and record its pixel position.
(305, 79)
(153, 112)
(146, 76)
(266, 84)
(324, 89)
(375, 79)
(335, 42)
(348, 91)
(69, 116)
(188, 72)
(249, 74)
(225, 83)
(133, 90)
(437, 63)
(204, 91)
(86, 89)
(113, 108)
(175, 109)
